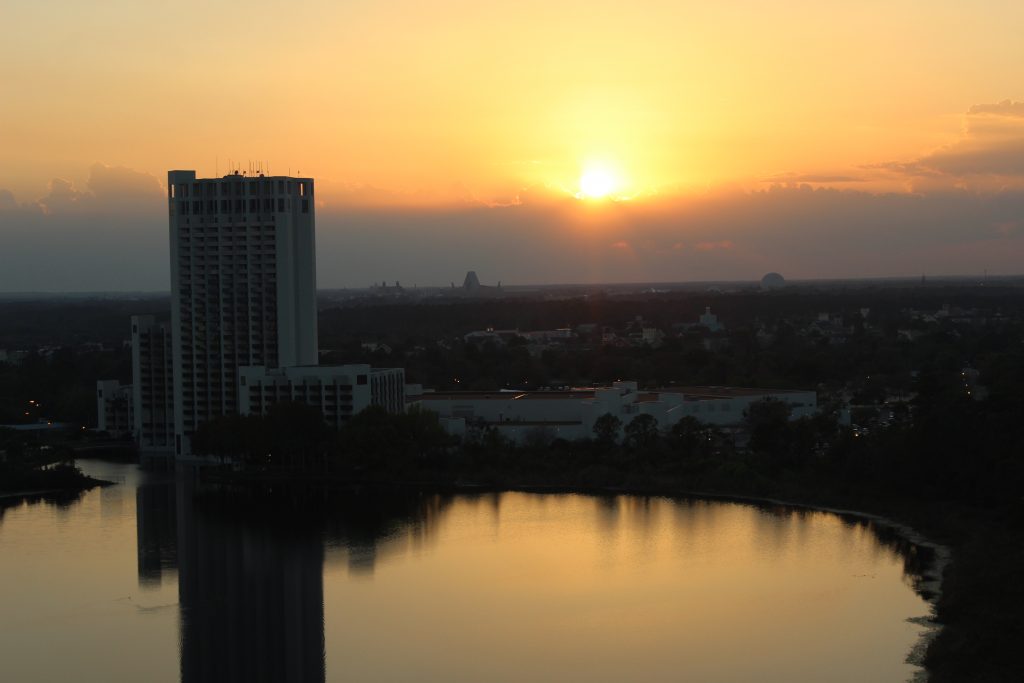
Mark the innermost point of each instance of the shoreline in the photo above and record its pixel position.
(86, 485)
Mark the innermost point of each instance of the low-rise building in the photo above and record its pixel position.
(709, 320)
(152, 386)
(114, 407)
(572, 414)
(339, 391)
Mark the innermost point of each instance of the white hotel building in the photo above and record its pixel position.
(243, 286)
(243, 328)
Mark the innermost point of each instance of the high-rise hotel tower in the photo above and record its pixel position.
(243, 287)
(243, 330)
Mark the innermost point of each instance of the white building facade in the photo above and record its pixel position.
(152, 386)
(339, 392)
(572, 414)
(243, 287)
(114, 407)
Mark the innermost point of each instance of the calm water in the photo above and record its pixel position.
(142, 582)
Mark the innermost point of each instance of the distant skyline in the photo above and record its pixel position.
(581, 142)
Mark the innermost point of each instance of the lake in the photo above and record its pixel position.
(145, 581)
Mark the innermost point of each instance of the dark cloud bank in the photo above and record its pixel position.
(964, 215)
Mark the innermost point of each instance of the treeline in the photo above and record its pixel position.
(66, 321)
(26, 466)
(943, 446)
(425, 320)
(767, 342)
(60, 386)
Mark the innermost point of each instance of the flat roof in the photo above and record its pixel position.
(535, 423)
(506, 395)
(728, 392)
(690, 394)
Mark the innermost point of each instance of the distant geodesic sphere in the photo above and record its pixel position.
(773, 281)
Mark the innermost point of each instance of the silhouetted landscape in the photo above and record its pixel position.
(918, 393)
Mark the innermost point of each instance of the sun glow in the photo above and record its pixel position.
(597, 182)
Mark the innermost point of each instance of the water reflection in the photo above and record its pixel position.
(499, 587)
(60, 500)
(157, 531)
(250, 585)
(370, 528)
(250, 568)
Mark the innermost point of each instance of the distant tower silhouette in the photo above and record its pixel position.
(472, 281)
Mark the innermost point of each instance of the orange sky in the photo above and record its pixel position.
(451, 104)
(440, 102)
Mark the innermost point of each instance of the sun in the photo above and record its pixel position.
(597, 182)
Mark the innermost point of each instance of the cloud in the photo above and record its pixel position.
(1004, 108)
(797, 230)
(117, 182)
(711, 246)
(109, 189)
(62, 196)
(815, 178)
(95, 238)
(989, 153)
(7, 201)
(964, 159)
(109, 235)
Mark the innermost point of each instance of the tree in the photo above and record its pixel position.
(606, 429)
(642, 431)
(767, 423)
(692, 438)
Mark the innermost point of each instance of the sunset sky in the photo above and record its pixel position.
(819, 139)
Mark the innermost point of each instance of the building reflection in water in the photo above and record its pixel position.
(250, 569)
(156, 531)
(250, 585)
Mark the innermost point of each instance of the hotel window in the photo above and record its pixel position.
(280, 204)
(305, 206)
